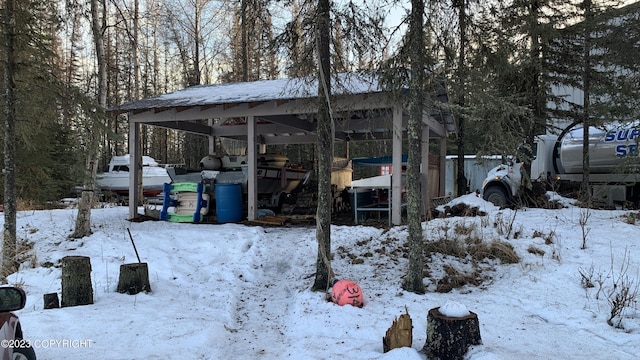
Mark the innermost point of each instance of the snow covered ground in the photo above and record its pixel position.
(232, 291)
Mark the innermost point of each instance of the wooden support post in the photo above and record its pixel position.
(133, 278)
(76, 281)
(51, 301)
(450, 338)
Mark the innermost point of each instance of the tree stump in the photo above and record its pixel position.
(450, 338)
(51, 301)
(400, 334)
(76, 281)
(133, 278)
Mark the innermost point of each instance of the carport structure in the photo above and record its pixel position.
(283, 112)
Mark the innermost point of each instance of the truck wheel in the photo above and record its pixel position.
(26, 353)
(496, 195)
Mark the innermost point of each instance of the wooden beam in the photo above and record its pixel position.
(256, 104)
(189, 127)
(230, 106)
(288, 107)
(294, 122)
(396, 162)
(252, 181)
(425, 199)
(134, 134)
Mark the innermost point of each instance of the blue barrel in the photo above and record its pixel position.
(229, 202)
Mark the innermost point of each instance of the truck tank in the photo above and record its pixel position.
(610, 151)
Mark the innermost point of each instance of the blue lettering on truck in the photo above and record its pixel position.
(624, 150)
(624, 135)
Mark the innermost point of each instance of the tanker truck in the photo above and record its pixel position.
(614, 167)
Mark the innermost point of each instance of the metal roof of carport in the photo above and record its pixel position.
(285, 107)
(281, 112)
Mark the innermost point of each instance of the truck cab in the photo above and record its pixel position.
(542, 167)
(502, 184)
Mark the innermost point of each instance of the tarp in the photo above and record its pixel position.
(377, 161)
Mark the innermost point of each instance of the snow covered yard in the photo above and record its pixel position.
(242, 292)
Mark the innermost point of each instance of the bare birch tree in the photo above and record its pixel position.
(83, 218)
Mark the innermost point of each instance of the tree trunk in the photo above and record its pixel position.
(325, 151)
(244, 40)
(460, 75)
(133, 278)
(400, 334)
(9, 264)
(450, 338)
(413, 280)
(83, 219)
(76, 281)
(586, 93)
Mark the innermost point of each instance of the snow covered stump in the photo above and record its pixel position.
(76, 281)
(133, 278)
(51, 301)
(451, 330)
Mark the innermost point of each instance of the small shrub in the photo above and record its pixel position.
(455, 278)
(504, 226)
(518, 232)
(586, 278)
(463, 228)
(585, 214)
(472, 240)
(484, 221)
(624, 295)
(548, 238)
(499, 250)
(536, 251)
(446, 247)
(25, 254)
(443, 230)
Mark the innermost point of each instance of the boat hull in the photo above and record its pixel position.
(153, 180)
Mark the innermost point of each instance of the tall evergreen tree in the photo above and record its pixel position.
(325, 130)
(586, 57)
(9, 265)
(37, 145)
(461, 6)
(44, 142)
(413, 280)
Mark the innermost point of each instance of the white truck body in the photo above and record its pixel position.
(613, 165)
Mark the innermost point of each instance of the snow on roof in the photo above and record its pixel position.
(255, 91)
(382, 181)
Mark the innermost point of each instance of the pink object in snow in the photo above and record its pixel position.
(347, 292)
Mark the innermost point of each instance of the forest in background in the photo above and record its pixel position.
(500, 59)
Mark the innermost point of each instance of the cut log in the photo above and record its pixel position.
(400, 334)
(450, 338)
(51, 301)
(76, 281)
(133, 278)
